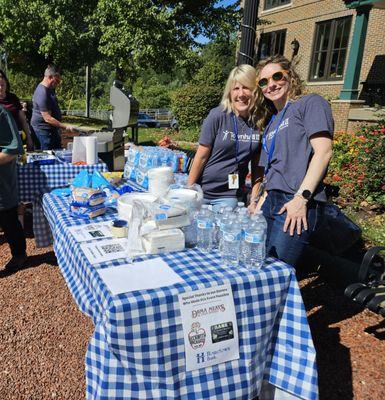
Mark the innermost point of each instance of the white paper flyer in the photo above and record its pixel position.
(209, 326)
(105, 250)
(87, 232)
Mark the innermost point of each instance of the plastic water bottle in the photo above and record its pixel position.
(254, 245)
(205, 230)
(244, 223)
(217, 226)
(190, 231)
(239, 207)
(230, 242)
(260, 218)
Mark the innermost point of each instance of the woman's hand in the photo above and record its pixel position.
(256, 206)
(296, 215)
(252, 207)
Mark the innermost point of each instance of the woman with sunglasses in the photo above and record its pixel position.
(227, 143)
(12, 103)
(297, 147)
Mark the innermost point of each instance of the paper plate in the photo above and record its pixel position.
(125, 203)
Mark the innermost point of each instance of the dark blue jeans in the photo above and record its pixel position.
(280, 244)
(49, 139)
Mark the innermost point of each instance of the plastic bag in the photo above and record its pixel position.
(98, 181)
(82, 179)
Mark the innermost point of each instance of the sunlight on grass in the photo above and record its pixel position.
(373, 227)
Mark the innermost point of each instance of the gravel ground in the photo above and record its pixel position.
(44, 337)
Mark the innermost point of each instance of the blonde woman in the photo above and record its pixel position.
(228, 142)
(297, 147)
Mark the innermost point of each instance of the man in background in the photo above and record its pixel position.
(46, 114)
(10, 148)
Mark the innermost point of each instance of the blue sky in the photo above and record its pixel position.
(202, 39)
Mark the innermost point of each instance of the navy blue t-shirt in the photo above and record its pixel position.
(303, 118)
(44, 99)
(218, 133)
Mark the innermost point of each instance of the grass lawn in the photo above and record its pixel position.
(185, 139)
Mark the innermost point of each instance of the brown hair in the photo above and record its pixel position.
(264, 108)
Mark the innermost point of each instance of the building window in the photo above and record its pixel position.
(330, 49)
(275, 3)
(271, 43)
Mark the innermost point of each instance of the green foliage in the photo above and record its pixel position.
(211, 74)
(358, 165)
(22, 85)
(136, 34)
(192, 103)
(151, 93)
(37, 32)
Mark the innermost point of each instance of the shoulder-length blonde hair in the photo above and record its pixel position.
(264, 108)
(246, 75)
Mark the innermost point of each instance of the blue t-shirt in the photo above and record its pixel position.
(44, 99)
(218, 133)
(292, 154)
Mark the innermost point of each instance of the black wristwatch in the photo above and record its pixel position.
(305, 194)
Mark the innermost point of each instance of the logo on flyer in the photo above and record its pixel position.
(197, 336)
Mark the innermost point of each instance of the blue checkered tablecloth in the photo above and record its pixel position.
(34, 180)
(137, 348)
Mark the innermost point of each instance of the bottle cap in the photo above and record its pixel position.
(119, 223)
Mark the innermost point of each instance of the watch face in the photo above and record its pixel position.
(306, 194)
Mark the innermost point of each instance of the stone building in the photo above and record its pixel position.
(338, 47)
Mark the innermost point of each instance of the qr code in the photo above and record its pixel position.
(96, 234)
(112, 248)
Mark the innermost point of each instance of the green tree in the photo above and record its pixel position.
(193, 101)
(138, 34)
(151, 93)
(37, 32)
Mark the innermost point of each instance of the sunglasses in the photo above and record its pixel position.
(276, 77)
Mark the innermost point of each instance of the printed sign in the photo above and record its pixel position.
(209, 326)
(87, 232)
(105, 250)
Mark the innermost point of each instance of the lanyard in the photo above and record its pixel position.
(270, 151)
(251, 131)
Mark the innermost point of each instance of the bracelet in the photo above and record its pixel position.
(301, 197)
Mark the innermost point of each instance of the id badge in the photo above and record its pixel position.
(233, 181)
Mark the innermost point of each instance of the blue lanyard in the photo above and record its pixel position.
(270, 151)
(251, 131)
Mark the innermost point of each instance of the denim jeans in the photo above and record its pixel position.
(280, 244)
(49, 139)
(217, 204)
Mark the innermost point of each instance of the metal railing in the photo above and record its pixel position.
(162, 115)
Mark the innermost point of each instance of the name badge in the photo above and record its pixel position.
(233, 181)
